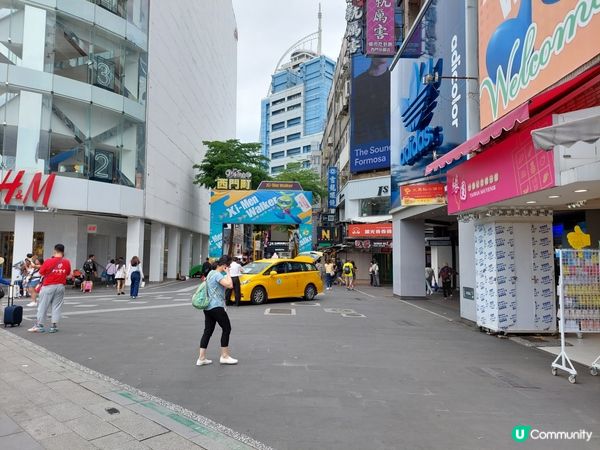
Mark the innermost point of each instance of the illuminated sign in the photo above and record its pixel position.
(17, 194)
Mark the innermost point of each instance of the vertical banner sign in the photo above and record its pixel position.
(381, 38)
(332, 187)
(354, 26)
(526, 46)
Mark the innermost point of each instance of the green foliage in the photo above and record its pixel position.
(308, 178)
(231, 154)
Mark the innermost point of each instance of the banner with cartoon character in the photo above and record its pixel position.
(263, 207)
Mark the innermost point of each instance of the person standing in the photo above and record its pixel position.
(329, 273)
(445, 276)
(90, 269)
(206, 267)
(111, 269)
(120, 275)
(235, 270)
(55, 272)
(217, 281)
(34, 278)
(429, 280)
(135, 275)
(348, 274)
(374, 270)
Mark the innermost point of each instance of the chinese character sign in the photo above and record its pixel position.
(354, 28)
(381, 36)
(332, 187)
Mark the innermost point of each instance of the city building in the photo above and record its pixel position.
(105, 105)
(294, 112)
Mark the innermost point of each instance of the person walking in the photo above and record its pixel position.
(429, 280)
(235, 270)
(445, 276)
(120, 275)
(374, 271)
(206, 267)
(90, 269)
(329, 274)
(348, 274)
(217, 281)
(136, 275)
(111, 269)
(55, 272)
(34, 279)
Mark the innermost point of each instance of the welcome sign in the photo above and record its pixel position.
(525, 46)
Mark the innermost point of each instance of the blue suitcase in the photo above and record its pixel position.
(13, 314)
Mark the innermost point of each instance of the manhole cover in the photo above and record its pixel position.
(280, 312)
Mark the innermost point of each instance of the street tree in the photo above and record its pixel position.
(308, 178)
(231, 154)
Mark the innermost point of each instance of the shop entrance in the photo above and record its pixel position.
(7, 239)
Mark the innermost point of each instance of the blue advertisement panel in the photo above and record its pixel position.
(370, 114)
(332, 187)
(428, 94)
(266, 207)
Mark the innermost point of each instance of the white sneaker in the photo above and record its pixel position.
(228, 360)
(203, 362)
(31, 304)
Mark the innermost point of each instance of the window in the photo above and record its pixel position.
(277, 155)
(279, 140)
(282, 268)
(277, 126)
(293, 137)
(306, 164)
(293, 151)
(278, 101)
(376, 206)
(277, 169)
(294, 121)
(296, 106)
(278, 111)
(297, 267)
(306, 149)
(294, 96)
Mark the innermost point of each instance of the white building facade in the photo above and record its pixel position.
(105, 105)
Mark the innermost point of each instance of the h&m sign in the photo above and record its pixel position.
(22, 189)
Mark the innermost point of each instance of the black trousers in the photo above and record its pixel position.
(236, 290)
(447, 288)
(211, 318)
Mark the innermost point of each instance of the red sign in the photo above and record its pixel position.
(14, 188)
(370, 231)
(92, 229)
(423, 194)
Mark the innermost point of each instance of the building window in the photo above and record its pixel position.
(294, 121)
(293, 151)
(306, 149)
(278, 102)
(277, 155)
(306, 164)
(292, 107)
(277, 169)
(294, 96)
(376, 206)
(278, 111)
(277, 126)
(279, 140)
(293, 137)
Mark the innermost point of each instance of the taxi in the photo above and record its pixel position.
(268, 279)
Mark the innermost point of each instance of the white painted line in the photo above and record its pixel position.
(134, 308)
(135, 302)
(426, 310)
(182, 300)
(84, 306)
(72, 303)
(364, 293)
(305, 304)
(121, 301)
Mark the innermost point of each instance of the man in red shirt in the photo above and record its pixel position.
(55, 271)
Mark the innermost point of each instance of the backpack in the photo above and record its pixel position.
(200, 298)
(88, 267)
(347, 270)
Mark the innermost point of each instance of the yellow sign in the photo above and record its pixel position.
(233, 184)
(578, 239)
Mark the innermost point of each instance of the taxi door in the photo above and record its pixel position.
(281, 284)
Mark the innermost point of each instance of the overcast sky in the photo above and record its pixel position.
(266, 29)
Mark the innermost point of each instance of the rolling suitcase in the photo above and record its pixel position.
(13, 314)
(87, 286)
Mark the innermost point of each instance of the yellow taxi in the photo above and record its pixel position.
(268, 279)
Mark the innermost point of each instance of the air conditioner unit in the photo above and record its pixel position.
(330, 142)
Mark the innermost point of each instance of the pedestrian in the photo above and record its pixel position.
(33, 279)
(111, 269)
(329, 273)
(348, 273)
(217, 281)
(120, 275)
(235, 270)
(445, 276)
(429, 280)
(339, 279)
(55, 272)
(206, 267)
(374, 271)
(90, 270)
(136, 275)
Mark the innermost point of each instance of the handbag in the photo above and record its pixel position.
(200, 299)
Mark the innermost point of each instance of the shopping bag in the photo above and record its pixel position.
(200, 298)
(143, 284)
(435, 287)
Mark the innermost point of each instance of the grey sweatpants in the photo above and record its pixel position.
(54, 295)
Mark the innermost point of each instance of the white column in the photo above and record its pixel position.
(157, 251)
(23, 237)
(174, 242)
(197, 255)
(135, 238)
(186, 252)
(409, 257)
(466, 255)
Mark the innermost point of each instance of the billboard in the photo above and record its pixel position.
(370, 231)
(423, 194)
(332, 187)
(380, 28)
(370, 114)
(428, 94)
(260, 207)
(526, 46)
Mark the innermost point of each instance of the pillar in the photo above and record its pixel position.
(409, 257)
(157, 251)
(23, 240)
(174, 243)
(135, 238)
(186, 252)
(197, 255)
(466, 256)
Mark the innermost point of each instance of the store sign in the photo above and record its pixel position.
(354, 26)
(235, 179)
(370, 231)
(423, 194)
(429, 94)
(25, 190)
(367, 244)
(278, 185)
(508, 169)
(332, 187)
(525, 47)
(381, 34)
(327, 235)
(92, 229)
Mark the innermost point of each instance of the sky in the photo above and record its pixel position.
(266, 29)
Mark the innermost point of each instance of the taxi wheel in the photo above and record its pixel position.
(310, 292)
(258, 296)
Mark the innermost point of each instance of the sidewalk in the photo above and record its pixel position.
(47, 401)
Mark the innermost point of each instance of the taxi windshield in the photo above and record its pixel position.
(255, 267)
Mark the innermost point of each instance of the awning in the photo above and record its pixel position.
(568, 133)
(370, 219)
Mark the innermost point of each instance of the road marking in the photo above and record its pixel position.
(362, 292)
(426, 310)
(135, 302)
(93, 311)
(84, 306)
(120, 301)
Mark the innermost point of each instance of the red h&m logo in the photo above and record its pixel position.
(14, 188)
